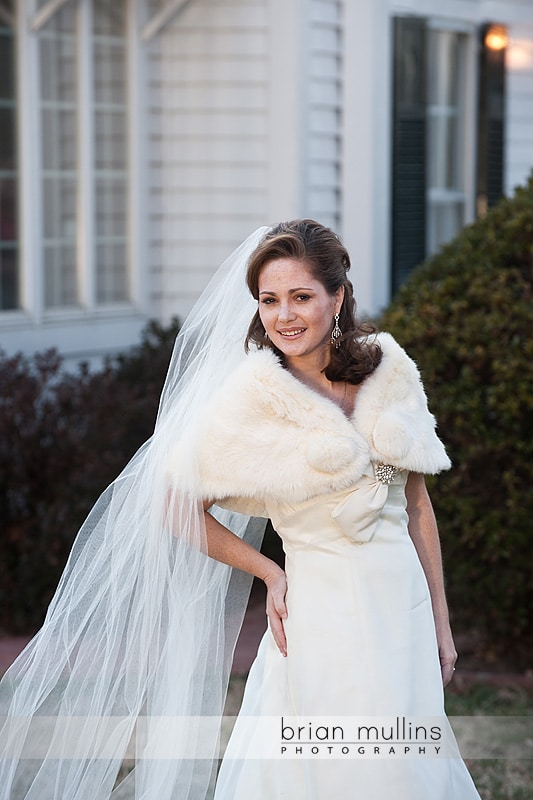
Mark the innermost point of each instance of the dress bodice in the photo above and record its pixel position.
(340, 519)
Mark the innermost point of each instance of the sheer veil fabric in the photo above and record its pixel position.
(143, 623)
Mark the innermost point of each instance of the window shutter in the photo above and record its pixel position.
(409, 147)
(490, 123)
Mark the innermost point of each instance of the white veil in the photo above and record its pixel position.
(143, 623)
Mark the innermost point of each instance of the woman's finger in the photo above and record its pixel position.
(278, 632)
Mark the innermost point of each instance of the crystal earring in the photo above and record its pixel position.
(336, 333)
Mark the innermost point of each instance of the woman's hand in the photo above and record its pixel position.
(223, 545)
(425, 536)
(447, 655)
(276, 608)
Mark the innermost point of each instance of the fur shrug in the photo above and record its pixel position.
(266, 437)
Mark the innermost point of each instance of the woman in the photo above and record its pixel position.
(326, 431)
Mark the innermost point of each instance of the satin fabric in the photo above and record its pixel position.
(360, 641)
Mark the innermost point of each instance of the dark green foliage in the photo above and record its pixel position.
(63, 438)
(466, 317)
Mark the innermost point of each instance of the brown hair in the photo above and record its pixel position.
(328, 260)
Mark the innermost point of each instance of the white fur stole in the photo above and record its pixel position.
(265, 436)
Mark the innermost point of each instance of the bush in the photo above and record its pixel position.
(466, 318)
(63, 438)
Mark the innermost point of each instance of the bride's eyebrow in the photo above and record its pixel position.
(291, 291)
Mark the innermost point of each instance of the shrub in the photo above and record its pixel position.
(466, 318)
(63, 438)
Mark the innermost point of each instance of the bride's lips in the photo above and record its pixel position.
(291, 333)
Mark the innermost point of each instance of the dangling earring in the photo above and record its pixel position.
(336, 333)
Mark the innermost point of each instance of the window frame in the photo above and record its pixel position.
(468, 125)
(30, 201)
(410, 221)
(11, 173)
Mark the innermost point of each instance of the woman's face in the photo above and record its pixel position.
(295, 309)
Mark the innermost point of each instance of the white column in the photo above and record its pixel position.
(137, 159)
(518, 157)
(86, 189)
(287, 105)
(367, 131)
(29, 162)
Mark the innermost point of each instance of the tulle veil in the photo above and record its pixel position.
(143, 624)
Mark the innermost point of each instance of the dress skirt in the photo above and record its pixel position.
(361, 645)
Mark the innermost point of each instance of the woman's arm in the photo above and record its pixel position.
(225, 546)
(424, 533)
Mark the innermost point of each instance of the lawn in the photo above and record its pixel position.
(496, 779)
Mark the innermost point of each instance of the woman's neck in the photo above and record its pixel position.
(311, 373)
(310, 369)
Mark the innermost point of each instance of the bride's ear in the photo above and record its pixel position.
(339, 297)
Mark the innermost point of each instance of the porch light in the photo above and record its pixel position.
(496, 37)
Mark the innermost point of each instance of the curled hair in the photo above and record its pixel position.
(326, 257)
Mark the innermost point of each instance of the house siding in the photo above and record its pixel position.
(208, 144)
(243, 113)
(519, 106)
(323, 179)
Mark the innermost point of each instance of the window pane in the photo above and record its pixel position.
(59, 209)
(58, 139)
(111, 148)
(9, 250)
(9, 278)
(58, 77)
(109, 18)
(446, 134)
(443, 83)
(111, 207)
(58, 68)
(443, 166)
(60, 285)
(7, 137)
(110, 139)
(444, 220)
(110, 272)
(109, 71)
(111, 256)
(8, 210)
(7, 63)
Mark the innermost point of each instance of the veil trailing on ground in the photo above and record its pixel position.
(143, 623)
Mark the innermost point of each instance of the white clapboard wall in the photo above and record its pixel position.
(244, 111)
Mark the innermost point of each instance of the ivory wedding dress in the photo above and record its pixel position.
(360, 642)
(360, 632)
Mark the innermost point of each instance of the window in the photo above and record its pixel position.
(83, 73)
(59, 157)
(76, 158)
(433, 178)
(110, 132)
(9, 250)
(445, 114)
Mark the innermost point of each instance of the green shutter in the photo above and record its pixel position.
(409, 147)
(490, 124)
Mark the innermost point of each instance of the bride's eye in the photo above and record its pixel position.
(304, 297)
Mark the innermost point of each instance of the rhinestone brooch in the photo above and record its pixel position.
(385, 473)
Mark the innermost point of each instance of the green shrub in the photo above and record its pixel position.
(466, 318)
(63, 438)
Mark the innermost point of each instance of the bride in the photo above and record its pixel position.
(321, 426)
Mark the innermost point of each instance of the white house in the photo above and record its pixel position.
(141, 140)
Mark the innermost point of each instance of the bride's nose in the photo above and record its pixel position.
(285, 313)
